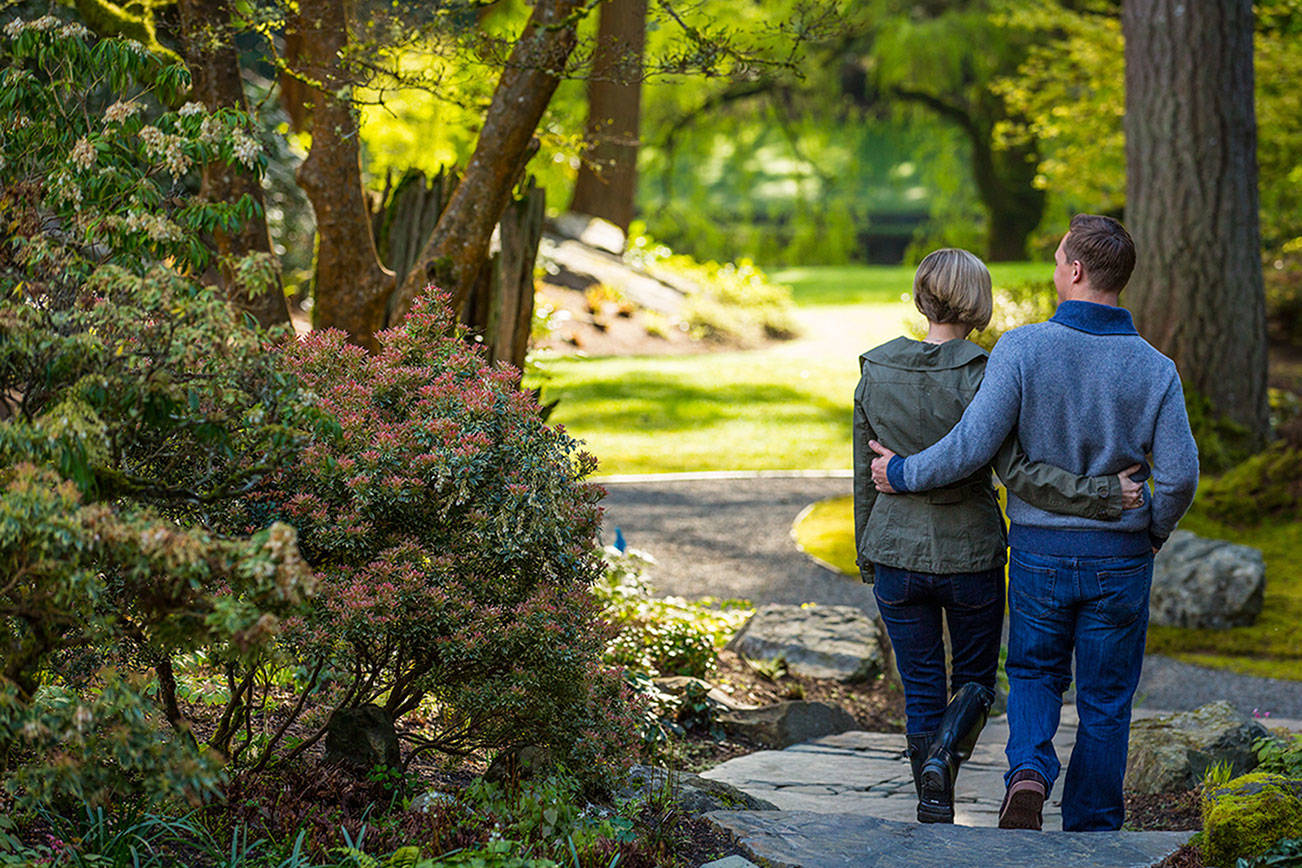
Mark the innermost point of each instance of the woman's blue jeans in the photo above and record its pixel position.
(911, 604)
(1097, 607)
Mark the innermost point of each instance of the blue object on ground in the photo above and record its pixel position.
(620, 545)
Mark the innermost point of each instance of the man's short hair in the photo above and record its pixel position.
(1104, 247)
(952, 285)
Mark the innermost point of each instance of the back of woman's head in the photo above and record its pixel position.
(953, 285)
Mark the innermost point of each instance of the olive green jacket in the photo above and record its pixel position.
(909, 396)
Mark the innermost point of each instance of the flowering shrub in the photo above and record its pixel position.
(133, 402)
(452, 537)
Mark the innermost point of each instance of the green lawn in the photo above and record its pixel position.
(877, 284)
(1272, 647)
(721, 411)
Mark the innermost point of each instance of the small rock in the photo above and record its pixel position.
(838, 642)
(427, 800)
(592, 231)
(360, 739)
(787, 723)
(695, 794)
(677, 685)
(1173, 752)
(1206, 583)
(731, 862)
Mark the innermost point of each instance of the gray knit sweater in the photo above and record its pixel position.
(1090, 395)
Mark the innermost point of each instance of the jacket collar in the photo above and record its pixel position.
(914, 355)
(1095, 319)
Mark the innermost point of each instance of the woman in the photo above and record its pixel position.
(942, 552)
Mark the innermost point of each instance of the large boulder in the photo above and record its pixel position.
(694, 794)
(1206, 583)
(787, 723)
(1172, 752)
(838, 642)
(360, 739)
(1243, 818)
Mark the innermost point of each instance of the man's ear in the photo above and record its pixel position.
(1077, 271)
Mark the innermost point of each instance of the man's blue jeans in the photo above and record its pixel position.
(911, 604)
(1097, 607)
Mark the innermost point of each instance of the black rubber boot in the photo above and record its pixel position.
(955, 738)
(919, 747)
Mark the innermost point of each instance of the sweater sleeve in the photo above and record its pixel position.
(865, 493)
(1175, 464)
(973, 442)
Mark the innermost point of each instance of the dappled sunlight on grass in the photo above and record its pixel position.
(726, 411)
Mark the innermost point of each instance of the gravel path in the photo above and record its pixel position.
(730, 536)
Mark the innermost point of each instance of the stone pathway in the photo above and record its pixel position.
(798, 838)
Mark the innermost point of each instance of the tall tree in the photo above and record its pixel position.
(607, 179)
(1191, 197)
(455, 255)
(216, 82)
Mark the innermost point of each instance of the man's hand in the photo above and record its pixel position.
(883, 458)
(1132, 492)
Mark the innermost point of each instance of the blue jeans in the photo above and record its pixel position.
(911, 604)
(1097, 607)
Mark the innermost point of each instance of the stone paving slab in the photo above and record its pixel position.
(867, 772)
(779, 839)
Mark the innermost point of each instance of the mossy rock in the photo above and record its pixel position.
(1246, 816)
(1267, 485)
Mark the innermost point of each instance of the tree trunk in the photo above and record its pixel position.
(1005, 177)
(607, 179)
(1191, 198)
(457, 252)
(350, 285)
(215, 76)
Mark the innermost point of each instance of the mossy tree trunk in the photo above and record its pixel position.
(1191, 199)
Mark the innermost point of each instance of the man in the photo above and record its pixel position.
(1087, 393)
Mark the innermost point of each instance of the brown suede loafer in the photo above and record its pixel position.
(1024, 802)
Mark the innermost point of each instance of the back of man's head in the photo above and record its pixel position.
(1105, 249)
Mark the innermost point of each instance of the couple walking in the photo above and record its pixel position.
(1069, 413)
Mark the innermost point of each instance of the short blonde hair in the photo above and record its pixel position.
(952, 285)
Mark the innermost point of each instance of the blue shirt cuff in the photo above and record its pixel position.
(1156, 540)
(895, 474)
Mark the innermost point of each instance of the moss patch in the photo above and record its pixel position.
(1268, 486)
(825, 530)
(1249, 814)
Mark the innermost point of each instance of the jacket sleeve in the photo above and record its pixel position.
(1175, 464)
(972, 443)
(1053, 489)
(865, 493)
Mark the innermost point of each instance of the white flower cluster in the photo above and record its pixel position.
(190, 109)
(156, 226)
(64, 189)
(83, 154)
(74, 30)
(170, 149)
(210, 131)
(120, 111)
(245, 147)
(70, 30)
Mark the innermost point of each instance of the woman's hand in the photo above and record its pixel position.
(1132, 492)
